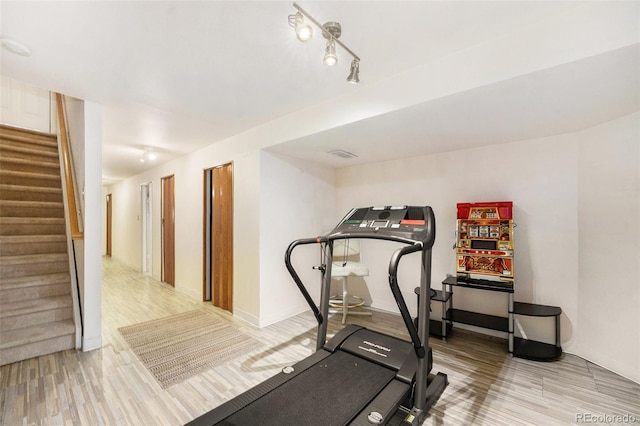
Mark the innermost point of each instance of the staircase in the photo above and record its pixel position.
(36, 306)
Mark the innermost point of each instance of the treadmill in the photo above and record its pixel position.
(359, 376)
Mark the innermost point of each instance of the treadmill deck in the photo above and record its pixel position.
(341, 381)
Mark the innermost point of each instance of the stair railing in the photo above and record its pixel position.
(75, 231)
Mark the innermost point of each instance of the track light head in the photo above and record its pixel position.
(303, 30)
(354, 74)
(330, 57)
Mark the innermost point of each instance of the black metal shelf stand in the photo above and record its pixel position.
(492, 322)
(518, 346)
(531, 349)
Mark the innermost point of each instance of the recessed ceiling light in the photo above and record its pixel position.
(15, 46)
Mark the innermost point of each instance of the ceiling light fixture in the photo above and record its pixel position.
(15, 46)
(331, 31)
(148, 155)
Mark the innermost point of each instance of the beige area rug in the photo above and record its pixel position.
(180, 346)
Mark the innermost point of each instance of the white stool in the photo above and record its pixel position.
(342, 303)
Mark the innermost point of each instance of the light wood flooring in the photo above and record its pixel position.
(110, 386)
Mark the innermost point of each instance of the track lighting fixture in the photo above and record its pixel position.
(331, 31)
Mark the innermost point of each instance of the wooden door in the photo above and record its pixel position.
(168, 230)
(109, 223)
(222, 236)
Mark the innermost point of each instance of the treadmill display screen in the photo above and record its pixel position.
(408, 224)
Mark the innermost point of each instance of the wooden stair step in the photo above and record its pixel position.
(27, 136)
(21, 150)
(29, 306)
(29, 203)
(16, 177)
(12, 295)
(33, 264)
(13, 338)
(12, 245)
(30, 165)
(17, 239)
(35, 280)
(29, 342)
(31, 226)
(30, 193)
(21, 313)
(17, 208)
(44, 146)
(31, 258)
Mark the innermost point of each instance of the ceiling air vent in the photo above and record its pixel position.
(342, 153)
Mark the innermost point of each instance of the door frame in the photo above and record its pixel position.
(146, 224)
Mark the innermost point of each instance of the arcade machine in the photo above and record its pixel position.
(484, 243)
(484, 261)
(359, 376)
(484, 252)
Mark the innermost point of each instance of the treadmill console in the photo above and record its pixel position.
(400, 223)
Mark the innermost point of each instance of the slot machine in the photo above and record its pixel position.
(484, 243)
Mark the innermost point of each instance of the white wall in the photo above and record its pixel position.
(74, 109)
(552, 184)
(92, 294)
(608, 294)
(542, 187)
(246, 229)
(25, 105)
(297, 200)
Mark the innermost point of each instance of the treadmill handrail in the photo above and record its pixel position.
(397, 294)
(296, 278)
(372, 236)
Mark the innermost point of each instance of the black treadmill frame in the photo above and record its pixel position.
(426, 390)
(420, 334)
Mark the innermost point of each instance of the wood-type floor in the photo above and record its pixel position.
(110, 386)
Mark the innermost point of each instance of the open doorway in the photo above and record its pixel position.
(147, 230)
(218, 236)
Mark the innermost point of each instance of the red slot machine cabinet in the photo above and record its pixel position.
(484, 243)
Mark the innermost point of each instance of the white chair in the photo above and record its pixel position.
(344, 268)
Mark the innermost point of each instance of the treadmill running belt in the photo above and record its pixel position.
(332, 392)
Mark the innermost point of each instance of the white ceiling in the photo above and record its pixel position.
(559, 100)
(176, 75)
